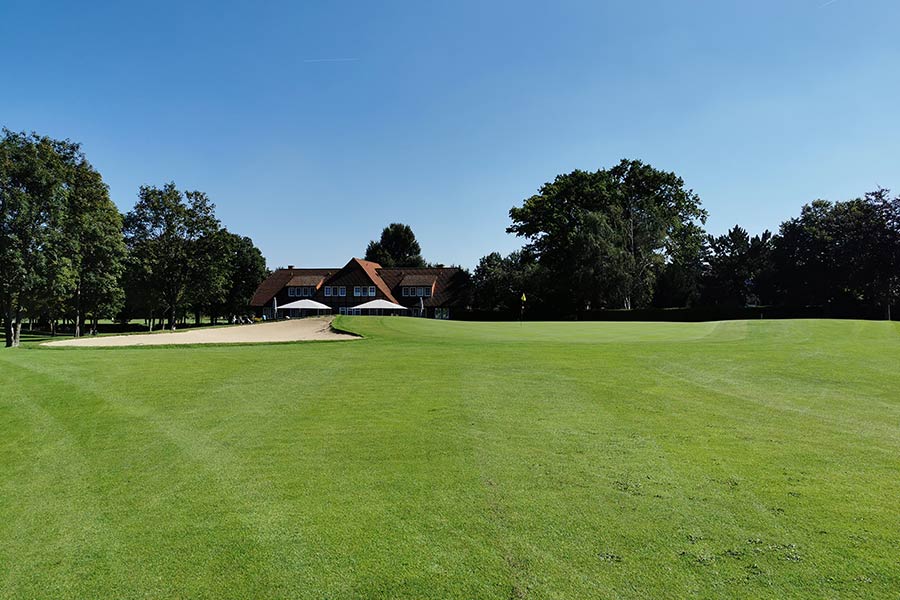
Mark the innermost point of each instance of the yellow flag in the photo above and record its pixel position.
(523, 296)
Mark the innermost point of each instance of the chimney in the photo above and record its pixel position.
(291, 267)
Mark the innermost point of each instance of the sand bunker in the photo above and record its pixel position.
(318, 328)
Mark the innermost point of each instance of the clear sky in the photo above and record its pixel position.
(312, 125)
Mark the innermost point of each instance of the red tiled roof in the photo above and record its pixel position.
(418, 279)
(306, 280)
(450, 284)
(280, 278)
(371, 270)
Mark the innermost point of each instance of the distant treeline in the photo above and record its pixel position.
(632, 237)
(625, 238)
(66, 253)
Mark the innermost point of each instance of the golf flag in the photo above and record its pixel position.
(523, 296)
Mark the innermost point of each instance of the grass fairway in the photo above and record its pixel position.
(459, 460)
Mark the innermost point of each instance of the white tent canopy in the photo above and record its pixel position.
(307, 304)
(379, 304)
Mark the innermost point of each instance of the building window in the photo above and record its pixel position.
(420, 292)
(428, 292)
(327, 291)
(356, 290)
(372, 290)
(343, 291)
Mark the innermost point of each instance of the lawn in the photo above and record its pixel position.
(459, 460)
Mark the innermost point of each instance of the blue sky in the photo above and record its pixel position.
(444, 115)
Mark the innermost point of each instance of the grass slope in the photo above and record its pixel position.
(459, 460)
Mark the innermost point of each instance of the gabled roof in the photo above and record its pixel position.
(451, 283)
(275, 282)
(371, 270)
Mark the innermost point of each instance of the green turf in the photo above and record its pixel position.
(459, 460)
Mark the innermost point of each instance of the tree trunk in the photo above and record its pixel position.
(17, 332)
(8, 329)
(172, 319)
(78, 310)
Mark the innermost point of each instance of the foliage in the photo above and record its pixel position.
(605, 235)
(93, 229)
(245, 269)
(839, 253)
(168, 235)
(36, 265)
(397, 247)
(499, 283)
(734, 264)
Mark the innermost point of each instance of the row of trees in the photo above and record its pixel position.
(180, 258)
(67, 253)
(834, 253)
(632, 236)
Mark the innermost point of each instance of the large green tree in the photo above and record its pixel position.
(603, 236)
(36, 270)
(841, 253)
(167, 235)
(93, 228)
(499, 282)
(886, 281)
(397, 247)
(734, 264)
(245, 269)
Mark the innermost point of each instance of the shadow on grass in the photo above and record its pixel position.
(30, 338)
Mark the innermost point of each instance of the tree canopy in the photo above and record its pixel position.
(606, 234)
(60, 235)
(397, 247)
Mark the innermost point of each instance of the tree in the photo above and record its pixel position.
(165, 234)
(840, 254)
(886, 282)
(245, 268)
(801, 257)
(605, 235)
(35, 264)
(211, 278)
(93, 228)
(396, 248)
(498, 283)
(727, 277)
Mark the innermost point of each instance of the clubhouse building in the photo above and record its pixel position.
(363, 287)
